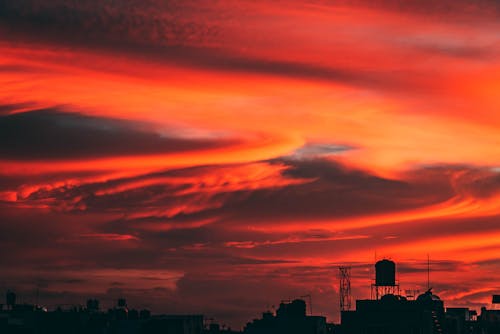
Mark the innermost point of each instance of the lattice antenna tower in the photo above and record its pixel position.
(345, 288)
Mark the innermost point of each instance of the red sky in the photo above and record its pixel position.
(217, 157)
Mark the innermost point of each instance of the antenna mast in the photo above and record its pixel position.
(428, 272)
(345, 288)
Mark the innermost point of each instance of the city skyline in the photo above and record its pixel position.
(217, 157)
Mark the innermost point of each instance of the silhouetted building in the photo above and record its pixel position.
(215, 328)
(144, 314)
(121, 302)
(92, 305)
(31, 319)
(393, 314)
(489, 321)
(175, 324)
(460, 320)
(10, 299)
(290, 318)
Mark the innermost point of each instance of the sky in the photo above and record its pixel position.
(218, 157)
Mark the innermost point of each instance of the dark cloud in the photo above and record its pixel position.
(174, 33)
(460, 51)
(493, 263)
(335, 192)
(8, 108)
(421, 267)
(137, 22)
(55, 134)
(15, 181)
(190, 217)
(326, 190)
(16, 68)
(176, 22)
(447, 9)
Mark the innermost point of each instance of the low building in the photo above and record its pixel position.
(290, 318)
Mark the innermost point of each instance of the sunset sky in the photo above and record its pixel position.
(217, 157)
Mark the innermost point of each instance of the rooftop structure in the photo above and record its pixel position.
(290, 318)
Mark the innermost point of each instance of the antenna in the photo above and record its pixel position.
(345, 288)
(428, 272)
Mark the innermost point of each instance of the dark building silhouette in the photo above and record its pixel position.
(122, 303)
(393, 314)
(144, 314)
(178, 324)
(460, 320)
(215, 328)
(290, 318)
(31, 319)
(389, 314)
(10, 299)
(93, 305)
(489, 321)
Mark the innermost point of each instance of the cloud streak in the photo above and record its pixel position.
(53, 134)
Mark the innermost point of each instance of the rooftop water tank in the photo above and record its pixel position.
(385, 273)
